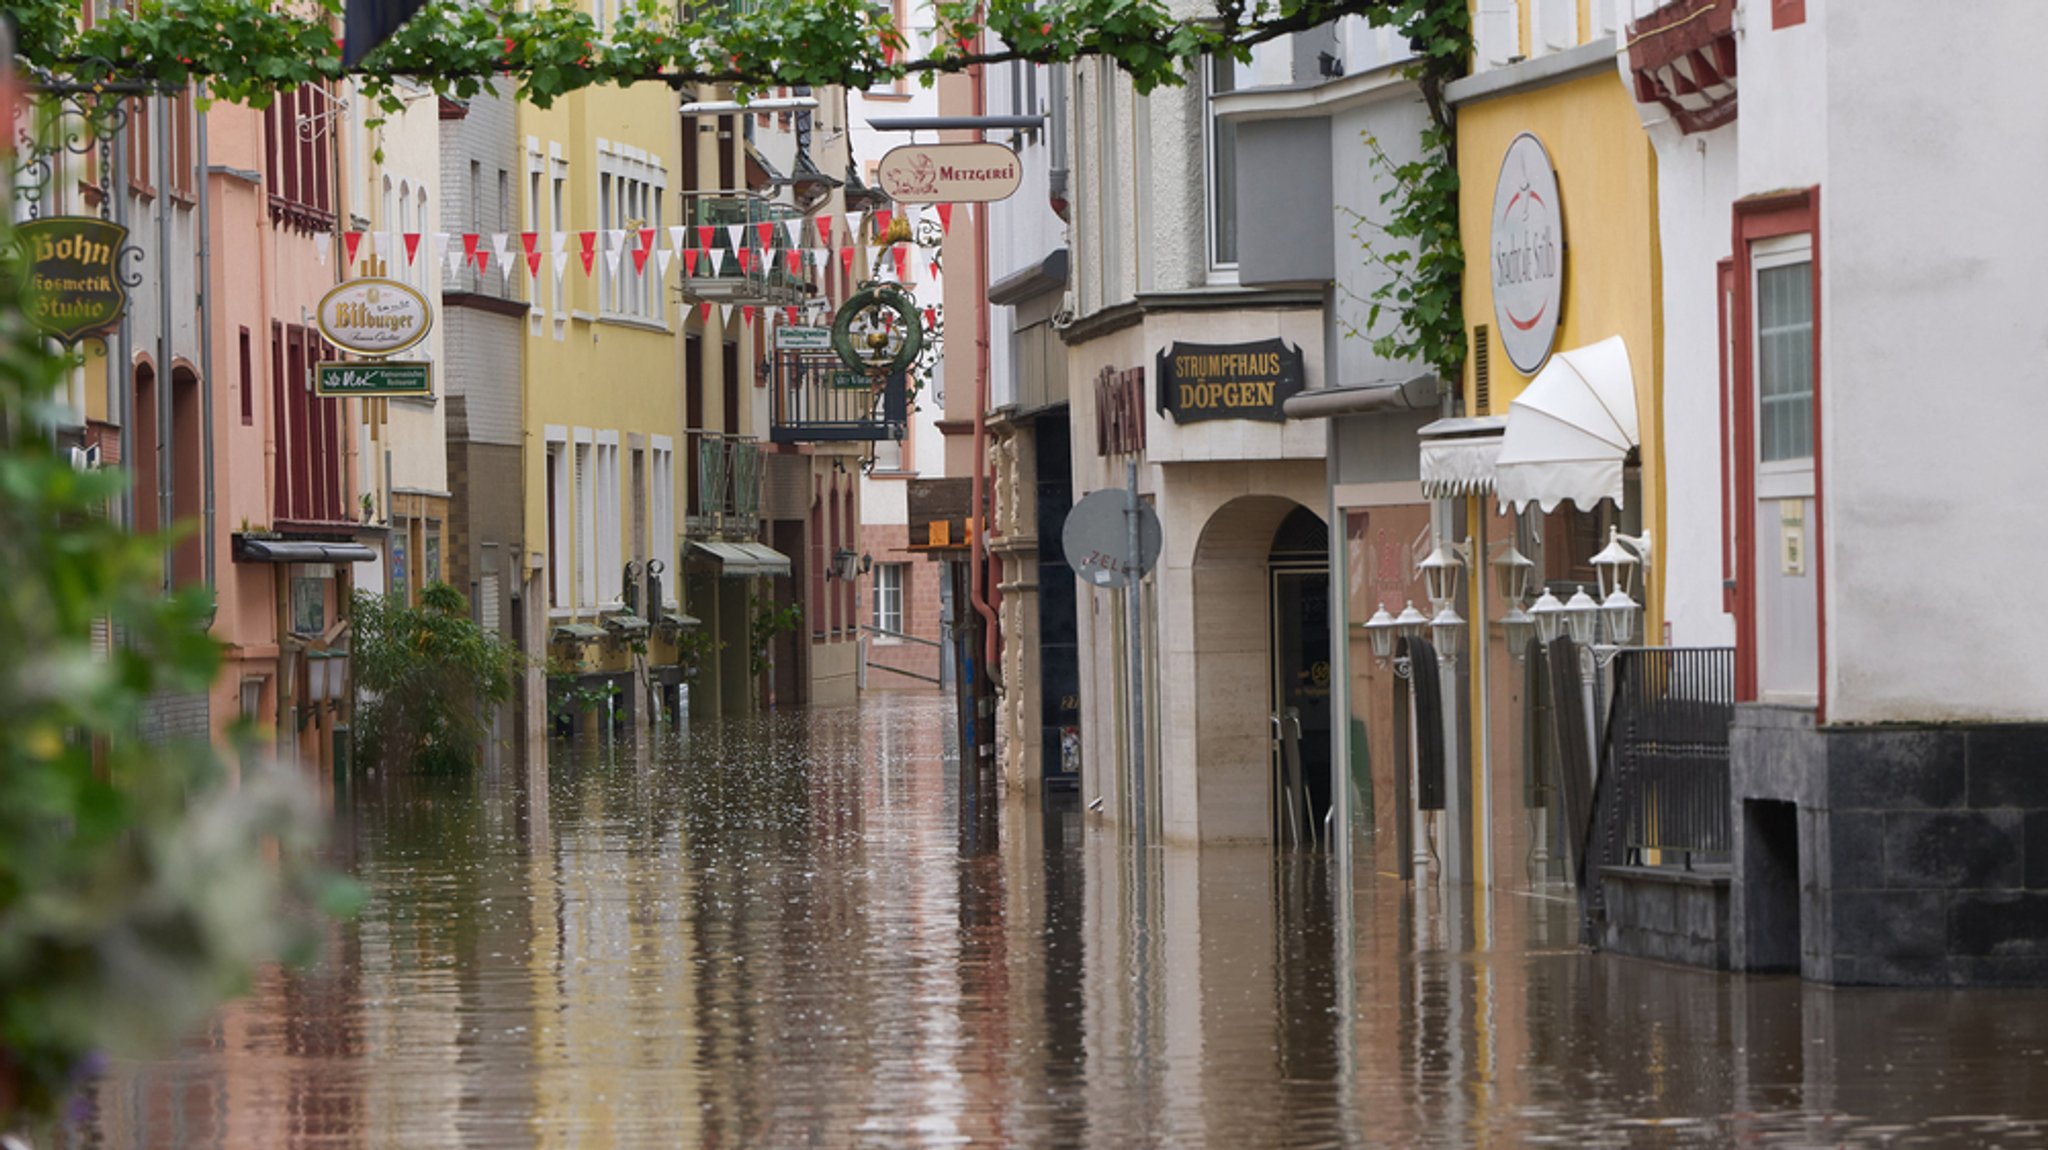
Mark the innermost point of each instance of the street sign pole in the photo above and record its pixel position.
(1135, 642)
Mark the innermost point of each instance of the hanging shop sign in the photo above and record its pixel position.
(73, 286)
(949, 173)
(878, 329)
(1527, 255)
(793, 338)
(374, 316)
(1199, 381)
(374, 377)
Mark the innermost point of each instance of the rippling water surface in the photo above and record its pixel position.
(781, 933)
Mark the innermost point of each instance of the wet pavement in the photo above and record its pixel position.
(781, 933)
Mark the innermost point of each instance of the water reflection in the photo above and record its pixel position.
(776, 934)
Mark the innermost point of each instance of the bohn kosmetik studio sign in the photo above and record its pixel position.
(1527, 254)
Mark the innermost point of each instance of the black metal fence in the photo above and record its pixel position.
(1667, 753)
(817, 399)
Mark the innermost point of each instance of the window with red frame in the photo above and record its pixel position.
(297, 135)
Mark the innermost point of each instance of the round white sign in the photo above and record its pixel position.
(374, 316)
(1528, 254)
(1097, 539)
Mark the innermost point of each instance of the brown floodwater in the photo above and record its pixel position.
(783, 933)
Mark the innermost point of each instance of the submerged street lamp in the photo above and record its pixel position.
(1547, 612)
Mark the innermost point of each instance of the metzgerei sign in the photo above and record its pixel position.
(949, 173)
(1199, 381)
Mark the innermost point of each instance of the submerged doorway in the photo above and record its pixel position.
(1298, 570)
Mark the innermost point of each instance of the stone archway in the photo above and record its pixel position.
(1231, 660)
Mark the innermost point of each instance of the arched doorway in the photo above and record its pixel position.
(1260, 583)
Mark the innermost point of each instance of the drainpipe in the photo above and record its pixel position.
(203, 188)
(978, 573)
(166, 471)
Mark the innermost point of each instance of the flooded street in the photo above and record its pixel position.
(780, 934)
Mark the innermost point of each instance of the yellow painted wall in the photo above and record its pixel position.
(1607, 180)
(604, 375)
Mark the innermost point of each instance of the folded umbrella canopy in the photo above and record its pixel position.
(1570, 431)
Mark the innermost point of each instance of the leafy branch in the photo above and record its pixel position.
(248, 51)
(1424, 264)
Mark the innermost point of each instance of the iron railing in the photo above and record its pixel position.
(818, 399)
(1667, 753)
(765, 278)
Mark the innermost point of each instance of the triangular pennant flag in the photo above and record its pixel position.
(717, 261)
(501, 246)
(902, 264)
(725, 315)
(689, 261)
(789, 230)
(587, 242)
(931, 320)
(558, 241)
(853, 227)
(789, 316)
(640, 261)
(611, 263)
(530, 241)
(350, 241)
(533, 265)
(675, 238)
(819, 258)
(483, 260)
(321, 242)
(846, 260)
(646, 240)
(561, 256)
(824, 229)
(412, 248)
(614, 239)
(881, 220)
(661, 262)
(469, 240)
(945, 217)
(704, 312)
(746, 257)
(935, 269)
(737, 235)
(747, 315)
(796, 262)
(440, 243)
(378, 242)
(704, 235)
(453, 260)
(765, 232)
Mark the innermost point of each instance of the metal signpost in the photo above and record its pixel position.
(1113, 539)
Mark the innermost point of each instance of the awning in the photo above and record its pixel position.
(1457, 455)
(1417, 394)
(299, 551)
(1570, 431)
(741, 560)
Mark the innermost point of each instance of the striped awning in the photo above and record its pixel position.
(1458, 456)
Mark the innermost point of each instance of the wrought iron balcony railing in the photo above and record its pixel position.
(818, 399)
(763, 275)
(727, 494)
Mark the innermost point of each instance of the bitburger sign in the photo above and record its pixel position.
(1199, 381)
(373, 316)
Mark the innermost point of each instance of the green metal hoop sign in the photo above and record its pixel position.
(74, 289)
(878, 330)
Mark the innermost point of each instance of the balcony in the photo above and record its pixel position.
(819, 400)
(725, 500)
(767, 280)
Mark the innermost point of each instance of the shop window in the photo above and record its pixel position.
(1784, 356)
(430, 554)
(888, 599)
(401, 556)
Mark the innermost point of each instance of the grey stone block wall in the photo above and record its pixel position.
(1667, 914)
(169, 716)
(1922, 852)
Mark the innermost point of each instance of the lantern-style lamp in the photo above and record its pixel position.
(1410, 622)
(1548, 614)
(1582, 617)
(1447, 631)
(1380, 630)
(1615, 566)
(1513, 572)
(1440, 574)
(1520, 627)
(1618, 611)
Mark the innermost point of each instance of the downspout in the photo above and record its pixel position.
(977, 566)
(121, 355)
(166, 471)
(204, 189)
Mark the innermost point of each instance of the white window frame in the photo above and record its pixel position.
(1783, 478)
(610, 529)
(586, 519)
(562, 568)
(1221, 271)
(886, 601)
(632, 187)
(661, 544)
